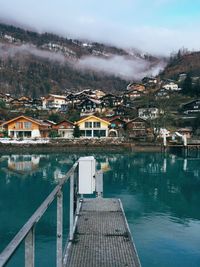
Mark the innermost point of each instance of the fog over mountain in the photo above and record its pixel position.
(158, 27)
(128, 67)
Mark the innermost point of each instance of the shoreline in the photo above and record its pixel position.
(81, 146)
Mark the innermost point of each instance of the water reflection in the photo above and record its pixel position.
(160, 194)
(168, 182)
(23, 164)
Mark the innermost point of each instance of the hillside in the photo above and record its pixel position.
(188, 63)
(37, 64)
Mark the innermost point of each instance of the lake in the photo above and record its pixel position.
(160, 196)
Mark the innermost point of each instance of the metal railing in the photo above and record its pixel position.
(27, 232)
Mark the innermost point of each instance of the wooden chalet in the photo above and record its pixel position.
(136, 128)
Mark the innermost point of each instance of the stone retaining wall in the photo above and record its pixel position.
(78, 144)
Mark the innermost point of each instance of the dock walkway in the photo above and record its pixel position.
(102, 237)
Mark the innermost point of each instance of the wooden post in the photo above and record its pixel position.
(185, 145)
(164, 142)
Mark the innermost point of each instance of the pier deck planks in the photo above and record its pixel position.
(102, 237)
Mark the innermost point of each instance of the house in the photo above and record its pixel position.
(25, 98)
(162, 93)
(90, 106)
(21, 102)
(99, 94)
(185, 131)
(5, 97)
(53, 101)
(136, 86)
(37, 103)
(172, 86)
(96, 94)
(93, 126)
(26, 127)
(133, 94)
(136, 128)
(182, 77)
(123, 110)
(149, 80)
(191, 107)
(76, 99)
(16, 103)
(149, 113)
(116, 127)
(110, 100)
(65, 129)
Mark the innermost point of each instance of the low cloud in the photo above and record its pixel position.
(27, 49)
(129, 69)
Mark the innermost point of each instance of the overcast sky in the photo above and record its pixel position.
(154, 26)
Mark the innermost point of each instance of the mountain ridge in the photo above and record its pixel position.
(41, 63)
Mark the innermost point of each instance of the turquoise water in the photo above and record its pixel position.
(160, 195)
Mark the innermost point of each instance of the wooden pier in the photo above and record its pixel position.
(99, 235)
(102, 237)
(186, 150)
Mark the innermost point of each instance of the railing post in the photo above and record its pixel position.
(30, 248)
(59, 228)
(71, 209)
(99, 184)
(76, 198)
(164, 142)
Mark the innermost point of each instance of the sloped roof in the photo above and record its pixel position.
(39, 122)
(92, 117)
(137, 119)
(70, 122)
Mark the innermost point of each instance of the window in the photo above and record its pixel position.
(82, 133)
(96, 124)
(99, 133)
(96, 133)
(88, 124)
(27, 134)
(19, 125)
(102, 133)
(88, 133)
(27, 125)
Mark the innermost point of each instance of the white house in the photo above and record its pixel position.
(149, 113)
(54, 101)
(171, 86)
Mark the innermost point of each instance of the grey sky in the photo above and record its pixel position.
(154, 26)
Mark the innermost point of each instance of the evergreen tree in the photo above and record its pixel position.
(196, 123)
(77, 132)
(187, 85)
(196, 88)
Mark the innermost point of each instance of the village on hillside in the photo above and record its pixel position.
(143, 111)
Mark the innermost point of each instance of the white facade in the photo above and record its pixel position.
(54, 101)
(148, 113)
(24, 133)
(35, 133)
(171, 86)
(66, 133)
